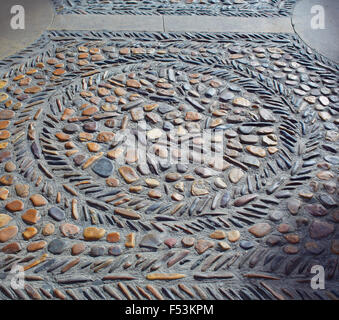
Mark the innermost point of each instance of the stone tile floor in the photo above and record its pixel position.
(140, 165)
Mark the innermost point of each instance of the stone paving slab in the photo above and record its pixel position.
(96, 204)
(245, 8)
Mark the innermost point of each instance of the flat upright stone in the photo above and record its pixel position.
(244, 200)
(127, 213)
(103, 167)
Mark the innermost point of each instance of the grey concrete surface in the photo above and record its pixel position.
(227, 24)
(324, 41)
(170, 23)
(38, 16)
(107, 22)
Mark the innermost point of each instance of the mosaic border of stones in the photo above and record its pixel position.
(274, 266)
(278, 8)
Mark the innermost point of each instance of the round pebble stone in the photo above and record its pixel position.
(224, 245)
(78, 248)
(56, 246)
(218, 234)
(11, 248)
(114, 250)
(171, 242)
(290, 249)
(10, 166)
(48, 229)
(8, 233)
(69, 230)
(29, 233)
(314, 247)
(15, 205)
(188, 241)
(113, 237)
(4, 219)
(103, 167)
(246, 245)
(320, 229)
(233, 235)
(71, 128)
(97, 251)
(56, 213)
(260, 230)
(37, 245)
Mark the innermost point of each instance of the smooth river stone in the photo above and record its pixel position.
(128, 174)
(56, 213)
(293, 205)
(241, 102)
(316, 210)
(94, 233)
(103, 167)
(4, 219)
(235, 175)
(260, 230)
(320, 229)
(8, 233)
(57, 246)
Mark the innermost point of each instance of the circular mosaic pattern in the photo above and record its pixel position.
(168, 166)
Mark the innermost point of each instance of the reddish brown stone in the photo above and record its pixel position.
(37, 245)
(78, 248)
(31, 216)
(14, 206)
(11, 248)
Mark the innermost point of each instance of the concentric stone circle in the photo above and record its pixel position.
(95, 228)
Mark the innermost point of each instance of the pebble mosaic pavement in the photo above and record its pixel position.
(245, 8)
(86, 219)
